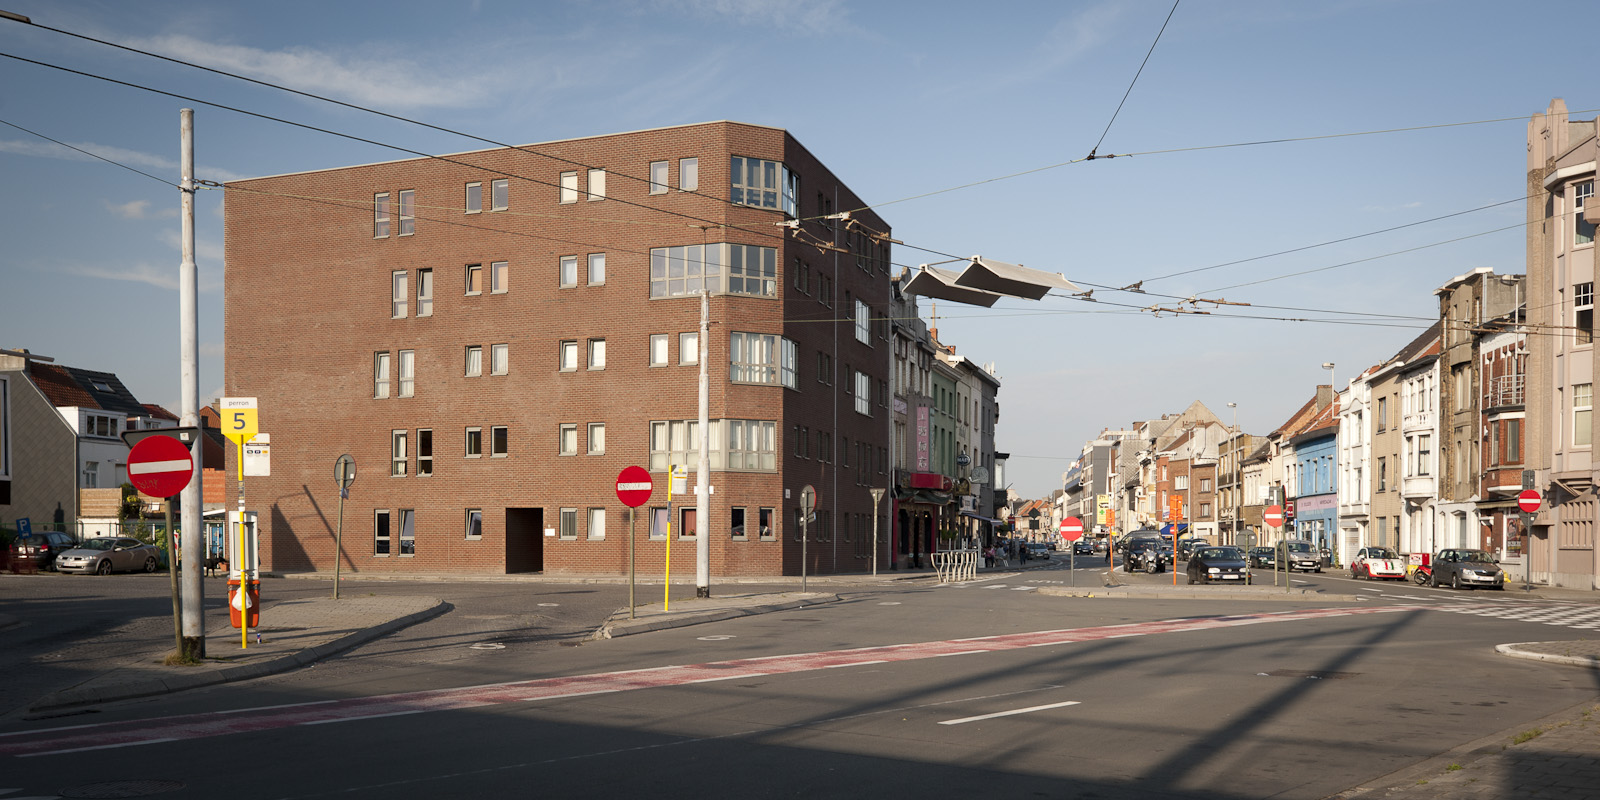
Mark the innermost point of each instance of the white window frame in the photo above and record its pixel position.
(597, 354)
(474, 360)
(688, 174)
(472, 444)
(789, 365)
(753, 357)
(567, 523)
(499, 359)
(424, 452)
(567, 358)
(596, 526)
(863, 323)
(408, 211)
(474, 524)
(1582, 232)
(863, 394)
(1582, 414)
(380, 215)
(1583, 301)
(597, 269)
(380, 375)
(660, 347)
(658, 177)
(597, 184)
(659, 519)
(399, 457)
(382, 532)
(499, 277)
(689, 348)
(567, 439)
(474, 197)
(408, 373)
(399, 288)
(474, 278)
(569, 188)
(597, 438)
(499, 441)
(499, 194)
(568, 276)
(762, 183)
(425, 292)
(407, 533)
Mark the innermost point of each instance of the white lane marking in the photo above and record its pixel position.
(853, 664)
(961, 653)
(541, 605)
(892, 603)
(365, 716)
(100, 747)
(730, 677)
(715, 638)
(1009, 713)
(1124, 636)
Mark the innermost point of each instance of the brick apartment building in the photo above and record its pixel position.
(495, 335)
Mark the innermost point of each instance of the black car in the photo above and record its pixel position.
(1127, 540)
(1262, 557)
(1082, 548)
(1222, 564)
(40, 547)
(1149, 555)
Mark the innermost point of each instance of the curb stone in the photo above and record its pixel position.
(619, 625)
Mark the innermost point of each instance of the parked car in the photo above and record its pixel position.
(1261, 557)
(1300, 555)
(41, 547)
(1127, 540)
(1149, 555)
(1376, 563)
(109, 554)
(1082, 548)
(1187, 545)
(1218, 563)
(1039, 550)
(1464, 569)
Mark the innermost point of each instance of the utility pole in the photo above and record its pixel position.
(702, 499)
(193, 544)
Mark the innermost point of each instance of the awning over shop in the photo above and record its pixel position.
(982, 518)
(925, 496)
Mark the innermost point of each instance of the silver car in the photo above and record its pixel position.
(106, 555)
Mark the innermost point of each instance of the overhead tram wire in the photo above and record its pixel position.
(91, 155)
(1135, 80)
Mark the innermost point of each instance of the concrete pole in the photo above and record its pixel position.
(702, 500)
(193, 545)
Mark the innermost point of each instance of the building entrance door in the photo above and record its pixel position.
(524, 540)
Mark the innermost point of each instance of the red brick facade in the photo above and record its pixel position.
(308, 307)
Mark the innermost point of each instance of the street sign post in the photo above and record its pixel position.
(240, 423)
(1072, 531)
(344, 474)
(1273, 515)
(877, 495)
(633, 489)
(1529, 501)
(161, 466)
(808, 504)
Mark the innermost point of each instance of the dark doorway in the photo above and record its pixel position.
(524, 540)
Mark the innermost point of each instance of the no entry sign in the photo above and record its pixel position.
(1529, 501)
(634, 486)
(1273, 515)
(1072, 529)
(160, 466)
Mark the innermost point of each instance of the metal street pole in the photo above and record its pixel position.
(172, 577)
(877, 495)
(702, 501)
(193, 588)
(631, 573)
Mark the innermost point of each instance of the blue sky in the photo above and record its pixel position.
(900, 100)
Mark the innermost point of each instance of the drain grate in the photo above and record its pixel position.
(134, 788)
(1321, 675)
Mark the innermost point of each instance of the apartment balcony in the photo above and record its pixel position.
(1419, 487)
(1419, 421)
(1505, 390)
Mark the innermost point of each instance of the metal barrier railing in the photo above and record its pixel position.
(952, 566)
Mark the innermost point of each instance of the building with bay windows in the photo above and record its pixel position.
(494, 335)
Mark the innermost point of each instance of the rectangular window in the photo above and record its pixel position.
(569, 523)
(1583, 232)
(680, 271)
(1582, 407)
(1513, 441)
(474, 360)
(397, 294)
(424, 452)
(678, 443)
(767, 518)
(499, 277)
(474, 279)
(863, 394)
(380, 532)
(1583, 311)
(688, 523)
(569, 271)
(499, 442)
(824, 368)
(91, 474)
(499, 359)
(597, 269)
(1205, 484)
(474, 197)
(499, 194)
(1424, 455)
(863, 323)
(424, 292)
(408, 532)
(397, 453)
(597, 523)
(688, 348)
(689, 174)
(597, 438)
(567, 443)
(1383, 474)
(380, 374)
(763, 184)
(408, 212)
(658, 522)
(751, 444)
(474, 523)
(753, 357)
(1381, 421)
(1205, 510)
(597, 184)
(569, 356)
(408, 373)
(380, 215)
(736, 524)
(789, 367)
(825, 290)
(597, 354)
(658, 177)
(569, 187)
(474, 447)
(752, 270)
(658, 349)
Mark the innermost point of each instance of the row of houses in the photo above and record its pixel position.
(1426, 449)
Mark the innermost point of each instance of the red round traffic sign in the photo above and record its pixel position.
(1072, 529)
(160, 466)
(1529, 501)
(1273, 515)
(634, 486)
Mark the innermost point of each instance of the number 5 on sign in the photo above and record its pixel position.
(239, 419)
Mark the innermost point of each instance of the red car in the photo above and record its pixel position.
(1376, 563)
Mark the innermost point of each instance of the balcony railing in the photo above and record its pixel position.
(1506, 390)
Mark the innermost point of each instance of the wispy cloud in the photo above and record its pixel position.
(815, 17)
(207, 253)
(159, 277)
(388, 77)
(139, 209)
(157, 165)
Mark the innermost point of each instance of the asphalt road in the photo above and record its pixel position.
(1227, 699)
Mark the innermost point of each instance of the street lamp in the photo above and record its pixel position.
(1328, 365)
(1233, 467)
